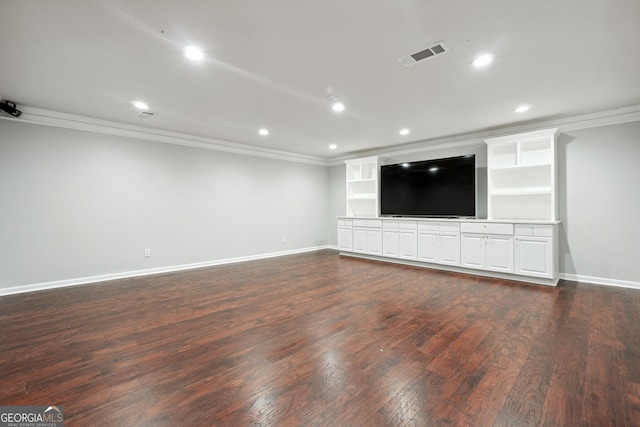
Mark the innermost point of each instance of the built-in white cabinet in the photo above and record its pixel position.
(521, 176)
(487, 246)
(367, 236)
(399, 239)
(525, 250)
(439, 242)
(534, 250)
(517, 240)
(362, 187)
(345, 234)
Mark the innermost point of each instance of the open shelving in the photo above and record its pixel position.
(522, 176)
(362, 187)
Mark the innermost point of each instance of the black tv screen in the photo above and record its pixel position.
(429, 188)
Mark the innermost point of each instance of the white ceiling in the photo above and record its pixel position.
(272, 64)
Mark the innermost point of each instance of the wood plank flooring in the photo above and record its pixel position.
(317, 339)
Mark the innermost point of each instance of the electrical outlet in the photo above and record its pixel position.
(147, 253)
(284, 239)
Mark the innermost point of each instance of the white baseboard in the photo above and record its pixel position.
(106, 277)
(457, 269)
(600, 280)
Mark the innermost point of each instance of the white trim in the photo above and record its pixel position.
(115, 276)
(600, 281)
(127, 274)
(70, 121)
(526, 279)
(456, 269)
(526, 135)
(566, 124)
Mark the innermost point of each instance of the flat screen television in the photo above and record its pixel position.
(439, 188)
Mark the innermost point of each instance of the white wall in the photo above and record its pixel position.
(599, 202)
(75, 204)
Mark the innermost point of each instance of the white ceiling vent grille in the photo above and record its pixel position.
(434, 50)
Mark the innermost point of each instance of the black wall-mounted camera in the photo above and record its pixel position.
(10, 107)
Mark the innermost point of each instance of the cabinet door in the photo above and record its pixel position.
(374, 241)
(472, 248)
(390, 240)
(427, 245)
(499, 253)
(408, 248)
(359, 239)
(345, 238)
(449, 248)
(534, 256)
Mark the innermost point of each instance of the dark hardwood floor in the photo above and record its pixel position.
(322, 340)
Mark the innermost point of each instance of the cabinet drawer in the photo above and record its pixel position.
(402, 225)
(345, 223)
(537, 230)
(486, 227)
(407, 225)
(439, 226)
(374, 223)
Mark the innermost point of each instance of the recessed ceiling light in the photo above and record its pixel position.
(333, 146)
(337, 107)
(140, 105)
(522, 108)
(194, 53)
(483, 60)
(405, 132)
(405, 165)
(263, 132)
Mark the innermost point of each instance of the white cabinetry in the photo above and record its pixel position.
(535, 250)
(362, 187)
(487, 246)
(521, 176)
(439, 242)
(522, 250)
(367, 236)
(399, 239)
(345, 234)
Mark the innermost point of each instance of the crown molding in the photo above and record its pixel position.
(44, 117)
(564, 124)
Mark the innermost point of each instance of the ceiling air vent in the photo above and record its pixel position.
(145, 114)
(434, 50)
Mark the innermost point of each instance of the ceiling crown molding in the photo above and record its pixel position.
(564, 124)
(71, 121)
